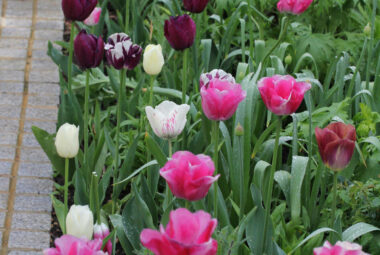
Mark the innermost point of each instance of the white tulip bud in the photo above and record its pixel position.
(168, 119)
(80, 221)
(153, 59)
(67, 141)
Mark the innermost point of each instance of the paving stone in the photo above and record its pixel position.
(48, 126)
(20, 252)
(33, 154)
(14, 44)
(9, 125)
(51, 35)
(41, 114)
(49, 24)
(7, 152)
(11, 99)
(1, 236)
(2, 219)
(40, 45)
(39, 54)
(30, 240)
(12, 87)
(43, 100)
(5, 167)
(44, 65)
(43, 76)
(41, 88)
(12, 53)
(29, 140)
(8, 138)
(18, 4)
(10, 75)
(19, 12)
(4, 183)
(9, 111)
(32, 203)
(31, 221)
(35, 169)
(50, 14)
(19, 32)
(16, 22)
(3, 201)
(33, 186)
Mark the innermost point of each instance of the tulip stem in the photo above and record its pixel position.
(151, 90)
(268, 199)
(184, 76)
(334, 199)
(71, 50)
(126, 16)
(66, 193)
(85, 119)
(215, 138)
(170, 146)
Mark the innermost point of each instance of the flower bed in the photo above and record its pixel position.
(247, 129)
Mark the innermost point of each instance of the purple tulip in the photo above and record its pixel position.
(180, 31)
(195, 6)
(121, 52)
(88, 49)
(78, 10)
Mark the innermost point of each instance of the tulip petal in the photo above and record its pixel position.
(156, 242)
(339, 153)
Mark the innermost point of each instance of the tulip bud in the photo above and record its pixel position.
(239, 130)
(101, 232)
(153, 59)
(367, 30)
(288, 59)
(195, 6)
(88, 50)
(94, 17)
(80, 221)
(78, 10)
(67, 141)
(180, 32)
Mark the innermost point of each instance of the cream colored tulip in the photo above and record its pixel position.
(153, 59)
(80, 222)
(67, 141)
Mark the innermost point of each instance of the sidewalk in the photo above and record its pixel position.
(28, 96)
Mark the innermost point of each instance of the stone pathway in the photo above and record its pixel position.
(28, 96)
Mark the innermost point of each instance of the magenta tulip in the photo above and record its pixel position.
(215, 74)
(78, 10)
(195, 6)
(282, 95)
(336, 144)
(221, 98)
(70, 245)
(101, 232)
(293, 6)
(121, 52)
(180, 32)
(186, 233)
(189, 176)
(94, 17)
(88, 50)
(340, 248)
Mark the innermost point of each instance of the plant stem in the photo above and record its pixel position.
(71, 50)
(184, 76)
(268, 199)
(118, 116)
(151, 90)
(168, 192)
(187, 204)
(66, 192)
(170, 148)
(334, 199)
(96, 193)
(85, 119)
(215, 141)
(126, 16)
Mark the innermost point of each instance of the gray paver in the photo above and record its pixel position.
(11, 87)
(9, 111)
(35, 169)
(8, 138)
(5, 167)
(4, 183)
(9, 125)
(30, 240)
(41, 114)
(41, 88)
(32, 203)
(33, 186)
(48, 126)
(3, 201)
(7, 152)
(11, 99)
(33, 154)
(31, 221)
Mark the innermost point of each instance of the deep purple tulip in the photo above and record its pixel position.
(78, 10)
(180, 31)
(88, 50)
(121, 52)
(195, 6)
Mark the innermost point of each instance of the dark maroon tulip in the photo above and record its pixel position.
(78, 9)
(180, 31)
(121, 52)
(195, 6)
(88, 50)
(336, 144)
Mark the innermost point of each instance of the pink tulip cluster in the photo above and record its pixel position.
(340, 248)
(186, 233)
(70, 245)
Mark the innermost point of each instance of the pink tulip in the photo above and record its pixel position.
(94, 17)
(101, 232)
(340, 248)
(186, 233)
(70, 245)
(282, 95)
(221, 98)
(293, 6)
(216, 73)
(189, 176)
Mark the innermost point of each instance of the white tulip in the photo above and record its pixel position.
(67, 141)
(153, 59)
(168, 119)
(80, 221)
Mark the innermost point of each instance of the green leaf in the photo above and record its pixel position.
(156, 150)
(357, 230)
(59, 209)
(299, 166)
(313, 234)
(117, 222)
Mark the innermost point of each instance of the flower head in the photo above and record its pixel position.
(88, 49)
(153, 60)
(340, 248)
(101, 231)
(70, 245)
(180, 31)
(186, 233)
(215, 74)
(78, 10)
(67, 141)
(293, 6)
(80, 222)
(195, 6)
(94, 17)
